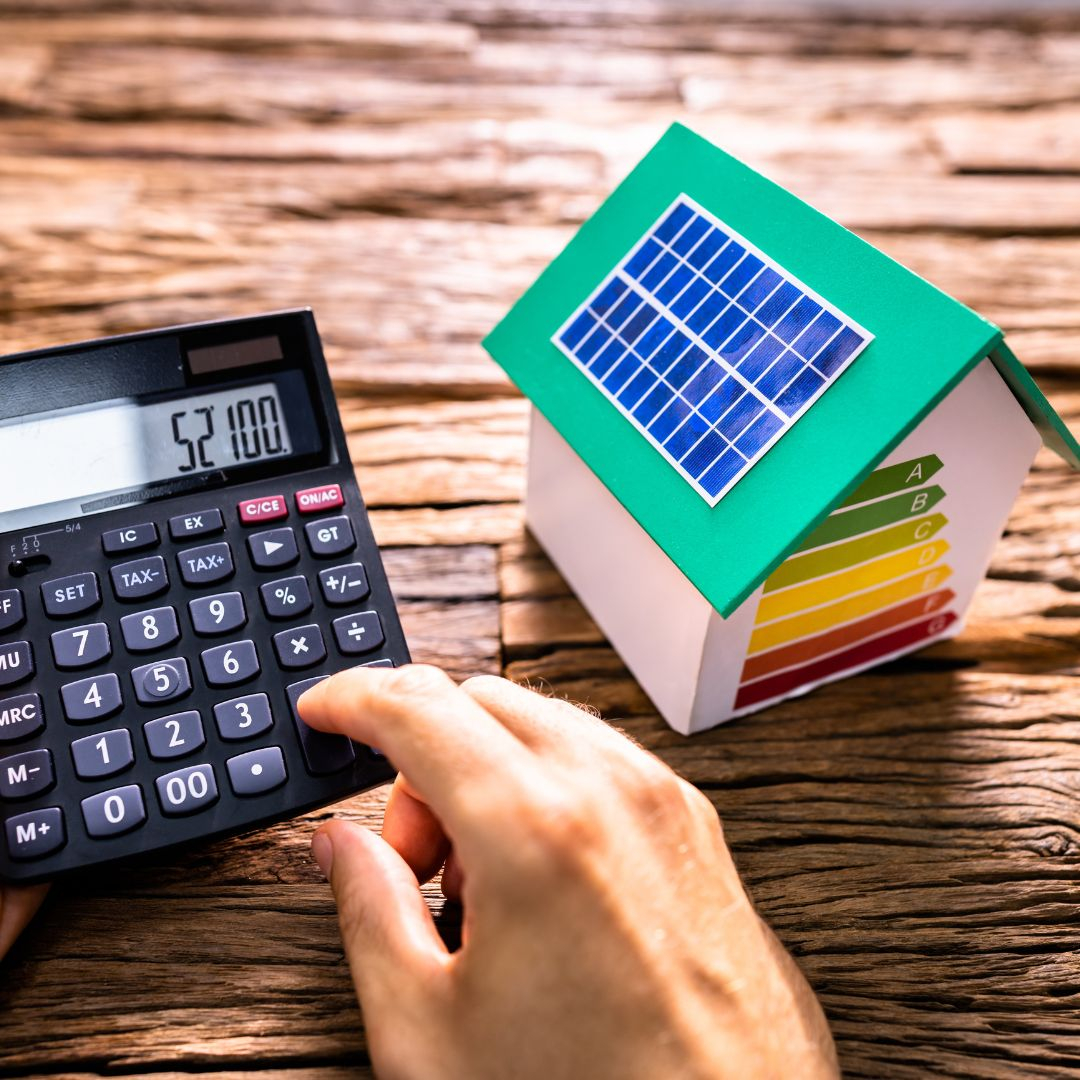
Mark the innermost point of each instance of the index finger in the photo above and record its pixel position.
(444, 742)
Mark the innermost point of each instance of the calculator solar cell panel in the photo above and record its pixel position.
(183, 551)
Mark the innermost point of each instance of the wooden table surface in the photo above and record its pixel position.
(912, 832)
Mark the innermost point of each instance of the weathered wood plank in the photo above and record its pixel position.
(911, 832)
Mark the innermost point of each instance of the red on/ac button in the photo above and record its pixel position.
(268, 508)
(313, 500)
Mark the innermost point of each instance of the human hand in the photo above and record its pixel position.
(17, 908)
(606, 932)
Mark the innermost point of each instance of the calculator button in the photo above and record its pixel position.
(287, 598)
(82, 646)
(243, 717)
(16, 662)
(257, 771)
(26, 774)
(140, 578)
(201, 523)
(379, 663)
(331, 536)
(323, 753)
(91, 699)
(230, 664)
(104, 754)
(70, 595)
(268, 508)
(130, 538)
(300, 648)
(359, 633)
(273, 549)
(187, 790)
(206, 565)
(164, 681)
(12, 611)
(174, 736)
(111, 813)
(146, 631)
(221, 614)
(314, 500)
(38, 833)
(344, 584)
(21, 717)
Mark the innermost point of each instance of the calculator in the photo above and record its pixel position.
(183, 552)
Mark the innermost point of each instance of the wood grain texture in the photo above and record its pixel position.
(911, 833)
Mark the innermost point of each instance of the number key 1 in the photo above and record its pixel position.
(102, 755)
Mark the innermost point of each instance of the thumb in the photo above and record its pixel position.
(390, 938)
(17, 907)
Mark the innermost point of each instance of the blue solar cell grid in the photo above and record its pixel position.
(707, 346)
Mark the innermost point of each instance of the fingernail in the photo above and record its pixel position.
(322, 848)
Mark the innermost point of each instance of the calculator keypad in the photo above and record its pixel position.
(71, 595)
(130, 538)
(300, 648)
(187, 791)
(243, 717)
(12, 609)
(90, 700)
(104, 754)
(148, 631)
(229, 665)
(287, 598)
(215, 615)
(16, 662)
(36, 834)
(323, 753)
(344, 584)
(257, 771)
(82, 646)
(330, 536)
(26, 774)
(180, 764)
(273, 549)
(191, 526)
(21, 717)
(174, 736)
(112, 813)
(360, 633)
(206, 565)
(139, 579)
(163, 681)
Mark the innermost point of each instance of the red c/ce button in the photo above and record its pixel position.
(314, 500)
(268, 508)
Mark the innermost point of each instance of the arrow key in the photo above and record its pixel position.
(273, 549)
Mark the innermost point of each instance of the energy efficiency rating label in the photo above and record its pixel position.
(868, 583)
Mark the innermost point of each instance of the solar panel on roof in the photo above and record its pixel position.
(709, 347)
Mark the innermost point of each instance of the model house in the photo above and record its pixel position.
(764, 454)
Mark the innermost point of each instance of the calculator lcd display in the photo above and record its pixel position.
(123, 445)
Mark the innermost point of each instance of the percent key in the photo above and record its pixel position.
(286, 598)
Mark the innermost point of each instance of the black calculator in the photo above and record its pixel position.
(183, 552)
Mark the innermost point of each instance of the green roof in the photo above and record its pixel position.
(924, 343)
